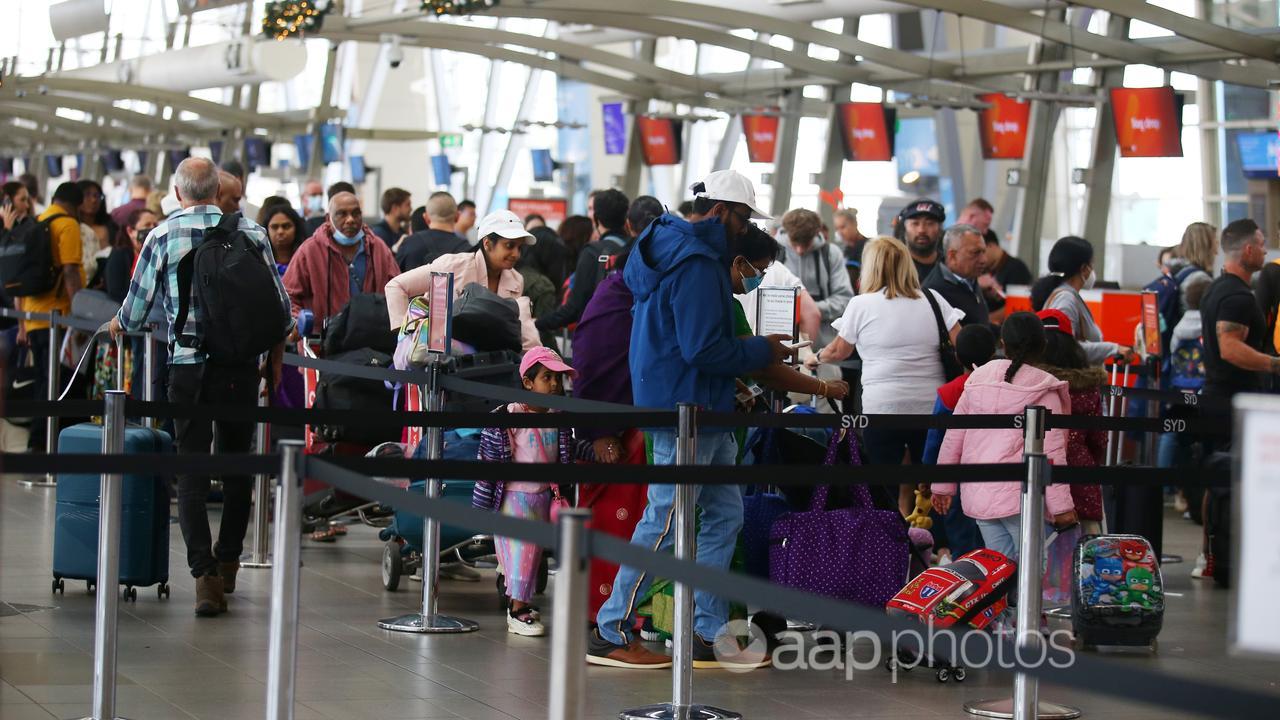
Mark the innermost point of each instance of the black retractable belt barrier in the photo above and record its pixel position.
(1093, 675)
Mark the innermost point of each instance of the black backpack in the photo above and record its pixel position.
(486, 321)
(240, 310)
(344, 392)
(361, 323)
(26, 258)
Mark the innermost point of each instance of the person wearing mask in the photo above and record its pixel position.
(920, 227)
(68, 258)
(1070, 271)
(313, 202)
(396, 205)
(601, 347)
(956, 277)
(683, 350)
(125, 252)
(139, 190)
(610, 207)
(437, 239)
(284, 230)
(342, 259)
(192, 380)
(493, 265)
(819, 265)
(466, 220)
(846, 222)
(894, 328)
(315, 221)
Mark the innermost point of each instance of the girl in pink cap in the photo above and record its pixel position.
(543, 372)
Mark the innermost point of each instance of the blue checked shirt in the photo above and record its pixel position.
(156, 274)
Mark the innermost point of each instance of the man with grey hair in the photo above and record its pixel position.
(192, 380)
(846, 226)
(956, 277)
(139, 189)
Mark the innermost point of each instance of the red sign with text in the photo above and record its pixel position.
(1003, 127)
(1151, 323)
(660, 138)
(761, 132)
(1148, 122)
(866, 130)
(553, 210)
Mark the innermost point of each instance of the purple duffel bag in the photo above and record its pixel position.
(855, 553)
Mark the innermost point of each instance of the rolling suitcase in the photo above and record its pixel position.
(144, 530)
(1118, 594)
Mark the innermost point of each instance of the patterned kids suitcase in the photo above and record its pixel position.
(1118, 594)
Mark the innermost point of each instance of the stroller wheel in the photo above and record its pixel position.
(392, 565)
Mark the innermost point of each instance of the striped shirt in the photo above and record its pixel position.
(156, 274)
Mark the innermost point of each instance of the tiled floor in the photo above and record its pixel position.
(173, 665)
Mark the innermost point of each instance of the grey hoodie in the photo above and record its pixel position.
(825, 278)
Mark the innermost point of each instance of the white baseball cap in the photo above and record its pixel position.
(732, 186)
(504, 223)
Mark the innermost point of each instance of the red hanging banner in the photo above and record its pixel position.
(761, 132)
(660, 138)
(1003, 127)
(1148, 122)
(867, 131)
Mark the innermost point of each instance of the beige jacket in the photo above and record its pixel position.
(467, 268)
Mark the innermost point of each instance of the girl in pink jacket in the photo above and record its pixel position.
(1007, 387)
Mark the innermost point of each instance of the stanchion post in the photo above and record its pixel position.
(108, 576)
(259, 547)
(149, 371)
(428, 620)
(568, 630)
(51, 395)
(681, 706)
(282, 656)
(120, 361)
(1026, 704)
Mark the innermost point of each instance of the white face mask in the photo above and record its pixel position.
(1090, 281)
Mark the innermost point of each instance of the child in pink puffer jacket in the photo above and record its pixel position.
(1007, 387)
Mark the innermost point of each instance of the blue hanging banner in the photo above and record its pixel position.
(615, 129)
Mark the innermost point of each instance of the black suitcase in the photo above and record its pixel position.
(345, 392)
(497, 367)
(1117, 597)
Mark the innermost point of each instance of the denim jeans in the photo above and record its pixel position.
(1004, 536)
(719, 524)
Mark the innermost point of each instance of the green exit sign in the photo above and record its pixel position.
(450, 140)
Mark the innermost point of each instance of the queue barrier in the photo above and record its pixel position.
(1090, 674)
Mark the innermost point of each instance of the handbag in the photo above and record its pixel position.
(486, 321)
(558, 503)
(951, 367)
(411, 343)
(856, 553)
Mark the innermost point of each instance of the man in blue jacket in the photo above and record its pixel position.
(683, 350)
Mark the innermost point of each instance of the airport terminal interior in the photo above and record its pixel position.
(998, 260)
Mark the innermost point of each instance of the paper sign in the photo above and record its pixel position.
(1151, 323)
(1255, 625)
(776, 310)
(440, 313)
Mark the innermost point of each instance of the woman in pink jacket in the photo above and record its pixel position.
(502, 236)
(1007, 387)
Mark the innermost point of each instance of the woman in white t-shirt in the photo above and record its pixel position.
(893, 327)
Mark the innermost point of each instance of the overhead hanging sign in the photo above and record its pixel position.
(615, 129)
(761, 132)
(660, 139)
(1003, 127)
(1148, 121)
(866, 130)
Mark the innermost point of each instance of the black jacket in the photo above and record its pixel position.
(959, 295)
(586, 277)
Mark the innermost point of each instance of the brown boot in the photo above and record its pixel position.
(228, 570)
(210, 600)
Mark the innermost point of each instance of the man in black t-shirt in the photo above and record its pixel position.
(609, 208)
(1233, 326)
(422, 248)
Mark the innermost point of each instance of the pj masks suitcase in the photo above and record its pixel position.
(1118, 593)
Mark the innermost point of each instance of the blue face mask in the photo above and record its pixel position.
(315, 203)
(345, 241)
(749, 284)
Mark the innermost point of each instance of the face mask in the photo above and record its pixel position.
(749, 284)
(1091, 280)
(345, 241)
(315, 203)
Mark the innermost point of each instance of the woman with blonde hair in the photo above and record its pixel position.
(1199, 250)
(894, 327)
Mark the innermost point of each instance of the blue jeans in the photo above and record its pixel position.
(718, 528)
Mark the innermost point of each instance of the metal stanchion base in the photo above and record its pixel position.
(417, 623)
(93, 718)
(46, 482)
(1059, 613)
(1170, 559)
(246, 561)
(1003, 708)
(667, 711)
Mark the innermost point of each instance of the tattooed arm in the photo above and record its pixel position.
(1234, 349)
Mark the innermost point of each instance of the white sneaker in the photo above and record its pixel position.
(526, 622)
(1203, 568)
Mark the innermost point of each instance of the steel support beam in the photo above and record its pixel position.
(490, 119)
(1102, 166)
(1029, 218)
(833, 163)
(1198, 29)
(484, 192)
(1210, 134)
(633, 160)
(784, 161)
(315, 167)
